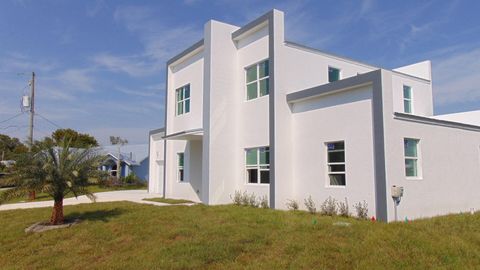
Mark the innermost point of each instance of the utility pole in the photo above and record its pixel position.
(32, 111)
(30, 132)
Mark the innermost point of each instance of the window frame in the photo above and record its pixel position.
(339, 73)
(259, 167)
(417, 159)
(405, 99)
(184, 100)
(257, 80)
(181, 168)
(328, 164)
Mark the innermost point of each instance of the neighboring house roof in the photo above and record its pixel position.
(132, 154)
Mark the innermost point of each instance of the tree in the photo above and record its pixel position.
(56, 171)
(118, 142)
(10, 147)
(78, 140)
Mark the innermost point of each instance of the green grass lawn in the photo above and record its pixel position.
(92, 188)
(166, 200)
(124, 235)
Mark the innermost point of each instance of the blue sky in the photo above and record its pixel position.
(100, 63)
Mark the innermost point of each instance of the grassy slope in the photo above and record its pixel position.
(132, 236)
(92, 188)
(167, 200)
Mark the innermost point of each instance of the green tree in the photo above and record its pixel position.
(78, 140)
(11, 148)
(56, 171)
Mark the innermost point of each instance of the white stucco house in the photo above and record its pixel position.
(250, 111)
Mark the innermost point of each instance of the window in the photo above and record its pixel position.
(257, 162)
(257, 80)
(333, 74)
(336, 163)
(411, 157)
(183, 99)
(181, 174)
(407, 99)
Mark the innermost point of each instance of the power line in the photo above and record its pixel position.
(13, 117)
(51, 122)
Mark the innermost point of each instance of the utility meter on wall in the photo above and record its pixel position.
(397, 192)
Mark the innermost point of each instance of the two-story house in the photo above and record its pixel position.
(247, 110)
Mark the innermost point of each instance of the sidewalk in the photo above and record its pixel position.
(136, 196)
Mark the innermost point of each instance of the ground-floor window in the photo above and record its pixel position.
(336, 163)
(411, 157)
(257, 162)
(180, 161)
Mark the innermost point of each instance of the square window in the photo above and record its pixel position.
(333, 74)
(257, 161)
(257, 82)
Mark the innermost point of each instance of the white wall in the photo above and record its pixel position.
(422, 102)
(190, 71)
(156, 164)
(329, 119)
(471, 118)
(449, 164)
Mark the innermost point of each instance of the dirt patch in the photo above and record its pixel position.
(45, 226)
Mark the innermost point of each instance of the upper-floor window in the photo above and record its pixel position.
(336, 163)
(407, 99)
(333, 74)
(411, 157)
(257, 80)
(257, 162)
(183, 99)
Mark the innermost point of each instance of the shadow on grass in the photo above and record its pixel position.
(98, 215)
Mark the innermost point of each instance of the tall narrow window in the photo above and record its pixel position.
(411, 157)
(181, 174)
(407, 99)
(333, 74)
(183, 99)
(257, 162)
(257, 78)
(336, 163)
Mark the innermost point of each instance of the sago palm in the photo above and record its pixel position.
(56, 171)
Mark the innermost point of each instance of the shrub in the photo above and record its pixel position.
(264, 202)
(252, 200)
(343, 209)
(329, 207)
(310, 205)
(292, 205)
(245, 199)
(237, 198)
(361, 209)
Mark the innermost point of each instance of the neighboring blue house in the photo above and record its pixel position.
(134, 159)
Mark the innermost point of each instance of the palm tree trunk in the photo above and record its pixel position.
(57, 212)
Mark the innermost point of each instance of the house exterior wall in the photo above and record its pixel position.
(156, 163)
(360, 110)
(319, 121)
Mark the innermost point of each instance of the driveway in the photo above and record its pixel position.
(136, 196)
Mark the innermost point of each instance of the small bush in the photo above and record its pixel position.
(343, 209)
(292, 205)
(329, 207)
(252, 200)
(245, 199)
(362, 210)
(264, 202)
(310, 205)
(237, 198)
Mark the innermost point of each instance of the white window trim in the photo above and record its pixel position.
(181, 167)
(339, 73)
(327, 183)
(257, 166)
(408, 99)
(418, 158)
(182, 88)
(257, 81)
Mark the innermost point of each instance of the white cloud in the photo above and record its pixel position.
(456, 78)
(132, 65)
